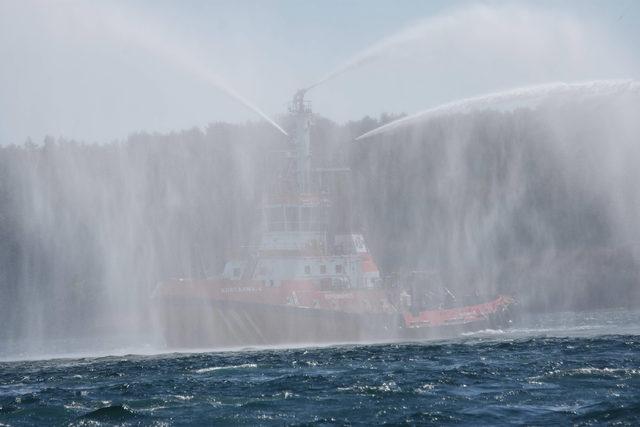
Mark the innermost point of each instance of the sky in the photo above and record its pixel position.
(100, 71)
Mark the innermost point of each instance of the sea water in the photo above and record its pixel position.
(578, 368)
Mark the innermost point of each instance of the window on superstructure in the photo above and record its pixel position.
(307, 269)
(293, 218)
(323, 269)
(305, 219)
(339, 268)
(275, 218)
(318, 219)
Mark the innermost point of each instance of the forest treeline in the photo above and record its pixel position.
(490, 201)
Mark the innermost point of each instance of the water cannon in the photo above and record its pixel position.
(298, 104)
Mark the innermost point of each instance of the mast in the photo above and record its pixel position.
(300, 111)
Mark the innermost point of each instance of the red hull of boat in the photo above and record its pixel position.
(219, 314)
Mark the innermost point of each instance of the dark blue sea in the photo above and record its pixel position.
(581, 369)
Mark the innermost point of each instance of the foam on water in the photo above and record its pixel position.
(218, 368)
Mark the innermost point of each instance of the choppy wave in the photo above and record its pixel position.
(115, 413)
(590, 372)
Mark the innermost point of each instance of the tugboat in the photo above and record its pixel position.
(306, 282)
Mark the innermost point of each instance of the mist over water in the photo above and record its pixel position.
(90, 230)
(538, 201)
(529, 192)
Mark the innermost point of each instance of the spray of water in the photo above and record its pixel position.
(529, 95)
(529, 42)
(130, 28)
(540, 202)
